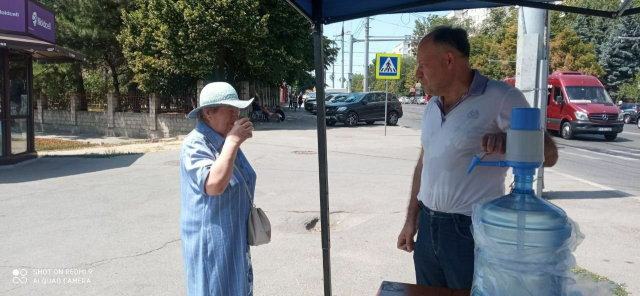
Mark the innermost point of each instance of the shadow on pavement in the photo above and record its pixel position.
(61, 166)
(600, 194)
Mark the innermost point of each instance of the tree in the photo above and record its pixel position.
(568, 53)
(92, 27)
(306, 81)
(592, 29)
(425, 25)
(218, 40)
(630, 90)
(620, 59)
(356, 83)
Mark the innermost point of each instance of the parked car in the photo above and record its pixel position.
(579, 104)
(366, 107)
(630, 111)
(328, 99)
(309, 98)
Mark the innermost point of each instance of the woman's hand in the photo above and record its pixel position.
(241, 131)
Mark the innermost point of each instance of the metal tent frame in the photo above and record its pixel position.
(321, 12)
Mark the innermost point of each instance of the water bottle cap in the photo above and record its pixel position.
(525, 119)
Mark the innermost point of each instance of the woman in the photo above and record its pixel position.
(215, 199)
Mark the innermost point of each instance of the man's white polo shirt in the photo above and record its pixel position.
(450, 141)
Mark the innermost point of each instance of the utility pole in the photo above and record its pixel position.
(365, 81)
(342, 47)
(350, 64)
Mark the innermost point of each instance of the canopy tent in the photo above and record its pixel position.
(333, 11)
(42, 51)
(320, 12)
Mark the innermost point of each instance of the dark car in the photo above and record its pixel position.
(329, 98)
(365, 106)
(630, 111)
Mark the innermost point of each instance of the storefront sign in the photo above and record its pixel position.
(41, 23)
(12, 16)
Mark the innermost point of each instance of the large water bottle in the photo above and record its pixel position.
(522, 241)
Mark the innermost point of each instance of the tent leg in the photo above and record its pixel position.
(322, 148)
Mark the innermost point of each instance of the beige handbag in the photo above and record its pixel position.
(258, 226)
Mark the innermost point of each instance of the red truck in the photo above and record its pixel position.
(579, 104)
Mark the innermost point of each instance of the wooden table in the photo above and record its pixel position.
(401, 289)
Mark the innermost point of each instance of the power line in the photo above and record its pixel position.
(393, 24)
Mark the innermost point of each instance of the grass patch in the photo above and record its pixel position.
(54, 144)
(619, 291)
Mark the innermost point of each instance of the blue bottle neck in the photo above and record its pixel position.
(523, 184)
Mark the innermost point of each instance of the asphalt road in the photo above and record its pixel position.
(613, 164)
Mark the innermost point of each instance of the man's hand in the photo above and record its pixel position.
(241, 131)
(494, 143)
(405, 239)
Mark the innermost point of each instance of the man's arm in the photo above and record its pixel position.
(405, 239)
(550, 151)
(497, 143)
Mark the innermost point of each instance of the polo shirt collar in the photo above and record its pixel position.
(478, 84)
(214, 137)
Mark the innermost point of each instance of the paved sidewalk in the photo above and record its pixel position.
(119, 216)
(93, 139)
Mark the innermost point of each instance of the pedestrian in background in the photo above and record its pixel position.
(217, 182)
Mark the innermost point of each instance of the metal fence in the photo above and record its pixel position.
(177, 103)
(135, 101)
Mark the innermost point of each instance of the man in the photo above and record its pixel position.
(280, 113)
(468, 113)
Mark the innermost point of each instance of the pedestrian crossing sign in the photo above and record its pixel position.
(388, 66)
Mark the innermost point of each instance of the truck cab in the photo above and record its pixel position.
(579, 104)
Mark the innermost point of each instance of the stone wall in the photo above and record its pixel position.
(123, 124)
(57, 116)
(132, 125)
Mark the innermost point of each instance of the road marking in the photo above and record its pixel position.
(580, 180)
(614, 156)
(630, 133)
(626, 152)
(585, 156)
(587, 182)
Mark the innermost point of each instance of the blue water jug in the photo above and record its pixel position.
(521, 239)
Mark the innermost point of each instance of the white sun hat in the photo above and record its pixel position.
(219, 94)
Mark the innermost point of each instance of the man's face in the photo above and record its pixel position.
(433, 67)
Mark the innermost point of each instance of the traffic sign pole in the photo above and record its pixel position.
(386, 104)
(387, 67)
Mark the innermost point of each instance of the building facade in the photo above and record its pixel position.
(27, 34)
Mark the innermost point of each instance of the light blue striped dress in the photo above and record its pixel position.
(217, 259)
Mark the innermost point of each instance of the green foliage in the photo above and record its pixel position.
(186, 40)
(54, 81)
(91, 27)
(630, 90)
(425, 25)
(620, 59)
(305, 81)
(568, 53)
(357, 83)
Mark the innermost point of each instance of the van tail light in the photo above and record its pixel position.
(401, 107)
(636, 111)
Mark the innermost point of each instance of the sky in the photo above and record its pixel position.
(380, 25)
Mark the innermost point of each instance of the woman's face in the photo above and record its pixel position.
(221, 119)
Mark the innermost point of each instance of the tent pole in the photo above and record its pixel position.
(322, 145)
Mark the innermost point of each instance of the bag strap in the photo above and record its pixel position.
(246, 186)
